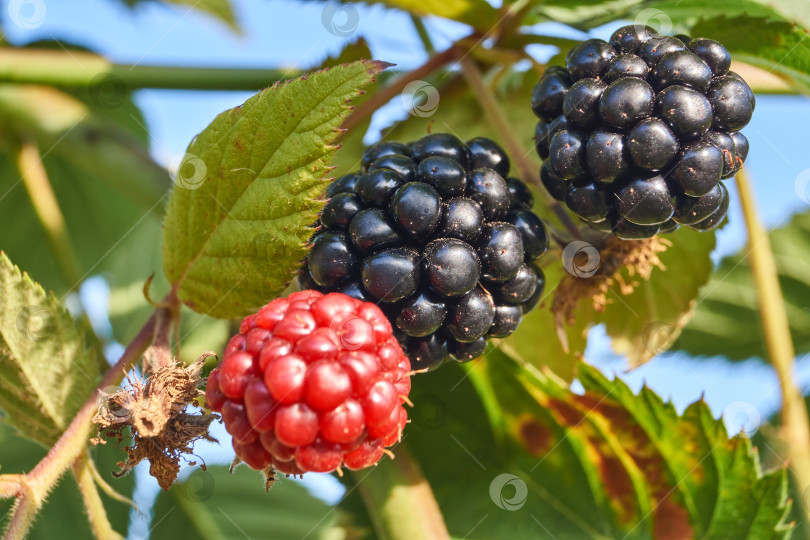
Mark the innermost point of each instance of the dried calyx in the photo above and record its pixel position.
(155, 410)
(639, 257)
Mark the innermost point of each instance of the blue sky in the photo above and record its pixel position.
(285, 34)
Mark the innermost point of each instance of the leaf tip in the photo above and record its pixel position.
(376, 66)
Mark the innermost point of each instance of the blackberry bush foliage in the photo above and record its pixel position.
(437, 234)
(423, 254)
(638, 132)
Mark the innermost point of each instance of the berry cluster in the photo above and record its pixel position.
(437, 234)
(637, 133)
(312, 382)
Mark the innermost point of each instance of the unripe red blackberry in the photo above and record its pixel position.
(646, 127)
(312, 382)
(428, 231)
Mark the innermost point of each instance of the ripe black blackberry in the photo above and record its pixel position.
(439, 236)
(638, 132)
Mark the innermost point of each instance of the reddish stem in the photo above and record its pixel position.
(378, 99)
(35, 486)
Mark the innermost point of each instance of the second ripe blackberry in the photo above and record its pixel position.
(638, 132)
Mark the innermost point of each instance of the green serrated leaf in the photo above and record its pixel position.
(777, 46)
(647, 321)
(239, 216)
(216, 505)
(774, 449)
(727, 322)
(795, 10)
(46, 372)
(602, 464)
(763, 33)
(665, 15)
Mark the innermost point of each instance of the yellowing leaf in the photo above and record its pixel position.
(476, 13)
(535, 459)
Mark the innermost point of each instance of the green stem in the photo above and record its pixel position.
(400, 501)
(83, 69)
(419, 25)
(795, 429)
(35, 486)
(107, 488)
(96, 514)
(46, 207)
(514, 148)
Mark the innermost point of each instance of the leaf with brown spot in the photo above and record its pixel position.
(602, 464)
